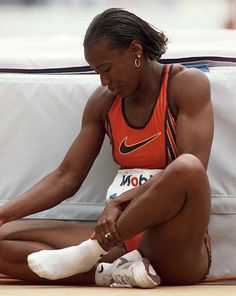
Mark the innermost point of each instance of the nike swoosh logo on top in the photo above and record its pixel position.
(125, 148)
(101, 269)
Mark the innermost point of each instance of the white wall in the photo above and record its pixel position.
(71, 17)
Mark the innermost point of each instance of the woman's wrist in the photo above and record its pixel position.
(121, 203)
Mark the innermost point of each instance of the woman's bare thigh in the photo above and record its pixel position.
(176, 247)
(178, 251)
(54, 233)
(33, 235)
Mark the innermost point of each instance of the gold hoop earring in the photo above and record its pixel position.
(137, 61)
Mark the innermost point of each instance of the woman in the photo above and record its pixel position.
(159, 119)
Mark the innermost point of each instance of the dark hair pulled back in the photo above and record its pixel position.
(120, 27)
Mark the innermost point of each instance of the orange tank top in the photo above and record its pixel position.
(152, 146)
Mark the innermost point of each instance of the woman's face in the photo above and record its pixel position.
(115, 66)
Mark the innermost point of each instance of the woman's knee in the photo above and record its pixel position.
(188, 168)
(195, 185)
(184, 175)
(187, 176)
(9, 230)
(3, 233)
(189, 162)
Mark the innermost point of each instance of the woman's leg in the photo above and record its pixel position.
(20, 238)
(173, 209)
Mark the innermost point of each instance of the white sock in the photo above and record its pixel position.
(103, 275)
(62, 263)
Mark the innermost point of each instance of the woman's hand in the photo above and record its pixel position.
(105, 230)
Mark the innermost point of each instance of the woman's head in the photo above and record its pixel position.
(120, 27)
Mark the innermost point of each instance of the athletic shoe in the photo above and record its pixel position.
(132, 256)
(127, 274)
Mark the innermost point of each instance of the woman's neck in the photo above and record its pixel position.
(149, 82)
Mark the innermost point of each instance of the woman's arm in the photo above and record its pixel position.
(190, 91)
(64, 181)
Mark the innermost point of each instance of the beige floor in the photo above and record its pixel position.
(33, 290)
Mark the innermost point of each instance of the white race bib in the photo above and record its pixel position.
(128, 179)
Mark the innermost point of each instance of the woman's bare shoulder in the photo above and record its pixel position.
(189, 83)
(100, 102)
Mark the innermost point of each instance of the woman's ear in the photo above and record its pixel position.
(136, 48)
